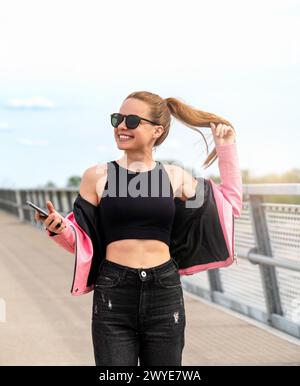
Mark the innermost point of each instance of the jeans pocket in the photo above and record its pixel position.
(170, 279)
(107, 279)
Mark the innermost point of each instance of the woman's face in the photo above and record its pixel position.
(144, 136)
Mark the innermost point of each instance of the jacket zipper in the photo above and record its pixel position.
(233, 242)
(74, 272)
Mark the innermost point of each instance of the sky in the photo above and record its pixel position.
(65, 66)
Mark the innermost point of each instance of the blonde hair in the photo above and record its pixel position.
(161, 110)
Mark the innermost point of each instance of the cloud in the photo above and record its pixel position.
(32, 142)
(4, 126)
(226, 34)
(36, 102)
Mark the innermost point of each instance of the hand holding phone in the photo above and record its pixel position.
(53, 221)
(41, 212)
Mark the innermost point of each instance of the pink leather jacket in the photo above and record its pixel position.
(202, 236)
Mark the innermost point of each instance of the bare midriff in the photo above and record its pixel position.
(138, 253)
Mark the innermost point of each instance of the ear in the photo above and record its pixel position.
(158, 131)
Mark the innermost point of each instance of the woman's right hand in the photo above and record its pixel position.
(54, 222)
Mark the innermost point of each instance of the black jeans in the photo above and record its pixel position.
(138, 314)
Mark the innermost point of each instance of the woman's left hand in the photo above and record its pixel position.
(223, 134)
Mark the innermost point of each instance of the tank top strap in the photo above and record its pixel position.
(117, 175)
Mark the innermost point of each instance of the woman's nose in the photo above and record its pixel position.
(122, 123)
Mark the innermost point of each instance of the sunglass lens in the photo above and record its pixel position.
(116, 119)
(132, 121)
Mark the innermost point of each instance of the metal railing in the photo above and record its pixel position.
(265, 282)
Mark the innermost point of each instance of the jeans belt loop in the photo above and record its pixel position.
(175, 263)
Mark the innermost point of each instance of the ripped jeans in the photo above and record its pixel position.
(138, 314)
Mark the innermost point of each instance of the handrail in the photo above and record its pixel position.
(256, 258)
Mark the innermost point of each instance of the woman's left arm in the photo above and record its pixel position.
(231, 180)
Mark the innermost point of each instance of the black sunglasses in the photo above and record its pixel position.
(131, 121)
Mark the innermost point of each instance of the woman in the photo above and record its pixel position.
(138, 224)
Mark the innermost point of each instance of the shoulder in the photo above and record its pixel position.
(94, 172)
(90, 180)
(182, 180)
(173, 168)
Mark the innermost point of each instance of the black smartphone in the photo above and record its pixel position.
(40, 210)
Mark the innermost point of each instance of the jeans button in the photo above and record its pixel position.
(143, 273)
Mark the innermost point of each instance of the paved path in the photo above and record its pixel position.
(46, 325)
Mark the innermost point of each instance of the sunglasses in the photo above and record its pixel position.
(131, 121)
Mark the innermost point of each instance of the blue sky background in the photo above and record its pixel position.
(66, 65)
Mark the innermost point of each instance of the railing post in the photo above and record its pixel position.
(268, 273)
(215, 282)
(64, 202)
(19, 205)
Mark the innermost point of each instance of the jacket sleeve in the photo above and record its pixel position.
(83, 237)
(66, 239)
(231, 184)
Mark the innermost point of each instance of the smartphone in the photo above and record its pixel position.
(40, 210)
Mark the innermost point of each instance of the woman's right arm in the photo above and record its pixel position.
(87, 188)
(62, 234)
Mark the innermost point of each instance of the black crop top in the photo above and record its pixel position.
(137, 205)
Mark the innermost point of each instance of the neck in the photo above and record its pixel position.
(137, 161)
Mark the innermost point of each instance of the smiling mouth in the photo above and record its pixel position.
(124, 138)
